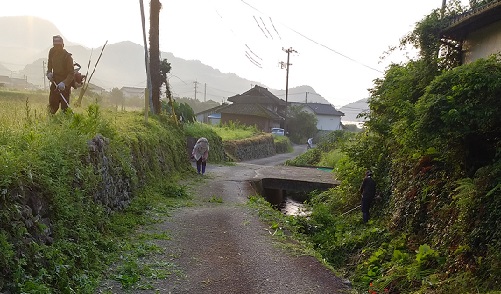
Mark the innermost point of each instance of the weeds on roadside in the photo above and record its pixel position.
(215, 199)
(139, 262)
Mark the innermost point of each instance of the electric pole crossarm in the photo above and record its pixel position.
(288, 51)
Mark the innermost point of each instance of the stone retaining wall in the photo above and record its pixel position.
(252, 148)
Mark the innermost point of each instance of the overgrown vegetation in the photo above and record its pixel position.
(57, 234)
(235, 131)
(433, 141)
(301, 125)
(327, 152)
(197, 130)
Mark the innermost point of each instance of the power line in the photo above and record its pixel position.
(257, 22)
(319, 44)
(245, 44)
(264, 25)
(275, 28)
(231, 92)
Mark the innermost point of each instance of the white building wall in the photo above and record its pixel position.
(328, 123)
(482, 43)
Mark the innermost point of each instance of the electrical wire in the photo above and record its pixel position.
(320, 44)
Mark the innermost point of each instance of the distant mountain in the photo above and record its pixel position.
(25, 42)
(23, 38)
(353, 109)
(4, 71)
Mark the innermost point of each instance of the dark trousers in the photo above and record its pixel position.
(366, 205)
(201, 165)
(55, 99)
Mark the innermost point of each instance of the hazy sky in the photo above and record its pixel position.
(338, 43)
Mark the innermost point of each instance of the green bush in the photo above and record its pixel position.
(54, 235)
(197, 130)
(282, 144)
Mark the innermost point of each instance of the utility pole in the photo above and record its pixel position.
(43, 75)
(288, 51)
(306, 97)
(442, 11)
(205, 92)
(196, 84)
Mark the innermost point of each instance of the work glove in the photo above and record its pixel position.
(50, 76)
(61, 86)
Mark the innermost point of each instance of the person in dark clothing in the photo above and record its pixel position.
(61, 74)
(368, 191)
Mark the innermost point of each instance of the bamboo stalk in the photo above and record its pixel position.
(86, 85)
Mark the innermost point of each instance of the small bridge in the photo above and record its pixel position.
(273, 182)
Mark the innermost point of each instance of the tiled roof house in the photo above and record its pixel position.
(258, 106)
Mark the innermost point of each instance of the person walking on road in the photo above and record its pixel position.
(368, 191)
(201, 153)
(61, 74)
(309, 143)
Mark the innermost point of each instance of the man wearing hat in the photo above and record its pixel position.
(60, 72)
(368, 191)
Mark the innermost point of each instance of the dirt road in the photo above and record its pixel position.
(222, 247)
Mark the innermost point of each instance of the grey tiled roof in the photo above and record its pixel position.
(258, 95)
(213, 109)
(250, 109)
(324, 109)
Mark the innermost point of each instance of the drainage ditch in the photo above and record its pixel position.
(288, 196)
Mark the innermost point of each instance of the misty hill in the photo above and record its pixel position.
(353, 109)
(24, 49)
(23, 38)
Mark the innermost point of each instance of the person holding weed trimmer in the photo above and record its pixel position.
(368, 191)
(61, 74)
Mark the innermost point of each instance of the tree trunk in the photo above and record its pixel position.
(156, 82)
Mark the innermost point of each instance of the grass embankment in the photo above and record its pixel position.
(327, 153)
(59, 232)
(59, 228)
(233, 132)
(436, 160)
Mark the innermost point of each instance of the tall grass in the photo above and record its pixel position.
(18, 108)
(235, 131)
(44, 165)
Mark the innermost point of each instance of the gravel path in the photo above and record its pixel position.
(222, 247)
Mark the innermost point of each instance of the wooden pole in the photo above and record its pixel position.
(146, 103)
(146, 58)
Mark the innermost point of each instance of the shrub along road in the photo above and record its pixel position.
(219, 245)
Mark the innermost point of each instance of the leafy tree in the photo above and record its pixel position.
(165, 68)
(183, 111)
(479, 3)
(458, 114)
(433, 140)
(301, 125)
(197, 105)
(117, 97)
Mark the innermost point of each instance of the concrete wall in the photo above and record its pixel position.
(482, 43)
